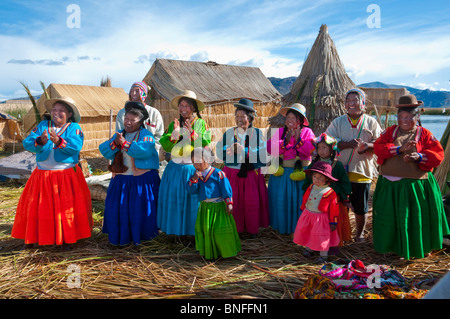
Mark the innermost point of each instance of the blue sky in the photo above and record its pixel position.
(121, 39)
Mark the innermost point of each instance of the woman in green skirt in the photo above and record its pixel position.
(215, 229)
(408, 212)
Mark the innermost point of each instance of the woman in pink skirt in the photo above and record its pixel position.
(316, 227)
(243, 150)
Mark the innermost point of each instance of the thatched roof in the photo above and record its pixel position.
(212, 82)
(9, 129)
(321, 85)
(91, 101)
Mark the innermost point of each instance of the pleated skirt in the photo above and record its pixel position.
(131, 208)
(215, 232)
(285, 199)
(313, 231)
(177, 209)
(250, 200)
(344, 229)
(408, 217)
(55, 208)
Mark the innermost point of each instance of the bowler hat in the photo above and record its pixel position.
(408, 100)
(139, 106)
(246, 104)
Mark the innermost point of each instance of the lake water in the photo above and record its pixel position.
(436, 124)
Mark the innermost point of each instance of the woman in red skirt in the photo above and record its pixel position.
(243, 151)
(55, 206)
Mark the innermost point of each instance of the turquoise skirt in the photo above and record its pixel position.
(285, 199)
(177, 209)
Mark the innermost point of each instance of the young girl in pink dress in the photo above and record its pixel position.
(316, 227)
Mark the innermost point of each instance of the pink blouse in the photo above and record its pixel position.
(302, 148)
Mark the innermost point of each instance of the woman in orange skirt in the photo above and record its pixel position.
(55, 206)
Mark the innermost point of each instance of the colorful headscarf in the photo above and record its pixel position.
(143, 89)
(362, 97)
(327, 139)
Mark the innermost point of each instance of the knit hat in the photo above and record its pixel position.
(143, 90)
(362, 97)
(327, 139)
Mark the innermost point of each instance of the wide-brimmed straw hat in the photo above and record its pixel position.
(188, 94)
(323, 168)
(69, 101)
(245, 104)
(298, 108)
(408, 100)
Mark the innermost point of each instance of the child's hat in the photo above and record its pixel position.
(327, 139)
(323, 168)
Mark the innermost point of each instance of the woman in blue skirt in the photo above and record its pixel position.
(131, 201)
(177, 209)
(293, 144)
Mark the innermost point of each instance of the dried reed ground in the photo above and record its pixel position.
(269, 267)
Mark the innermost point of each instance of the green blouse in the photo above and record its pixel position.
(200, 128)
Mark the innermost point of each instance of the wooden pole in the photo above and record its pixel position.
(110, 127)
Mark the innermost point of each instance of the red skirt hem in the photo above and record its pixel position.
(54, 208)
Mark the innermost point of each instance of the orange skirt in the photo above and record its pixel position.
(54, 208)
(343, 227)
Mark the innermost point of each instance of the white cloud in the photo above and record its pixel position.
(273, 36)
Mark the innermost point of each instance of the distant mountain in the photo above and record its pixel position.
(283, 85)
(430, 98)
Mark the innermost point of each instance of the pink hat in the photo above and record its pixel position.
(323, 168)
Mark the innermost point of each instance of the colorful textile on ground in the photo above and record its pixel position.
(368, 282)
(316, 287)
(390, 292)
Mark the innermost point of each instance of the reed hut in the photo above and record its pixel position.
(442, 172)
(321, 85)
(380, 101)
(98, 108)
(219, 86)
(9, 131)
